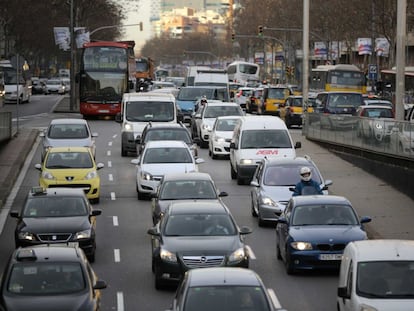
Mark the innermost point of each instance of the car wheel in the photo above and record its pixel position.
(213, 156)
(278, 254)
(240, 181)
(203, 144)
(91, 257)
(288, 264)
(124, 152)
(232, 172)
(260, 220)
(141, 196)
(158, 280)
(95, 201)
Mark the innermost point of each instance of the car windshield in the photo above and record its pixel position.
(217, 111)
(253, 139)
(145, 111)
(199, 225)
(324, 215)
(345, 100)
(226, 125)
(187, 189)
(55, 206)
(279, 93)
(286, 175)
(168, 134)
(44, 279)
(385, 279)
(229, 298)
(167, 155)
(68, 131)
(69, 160)
(378, 113)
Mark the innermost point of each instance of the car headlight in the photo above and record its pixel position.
(219, 139)
(238, 255)
(91, 175)
(205, 127)
(168, 256)
(85, 234)
(128, 127)
(246, 161)
(365, 307)
(301, 246)
(146, 176)
(47, 175)
(26, 236)
(268, 201)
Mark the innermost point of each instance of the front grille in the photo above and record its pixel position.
(330, 247)
(54, 237)
(193, 262)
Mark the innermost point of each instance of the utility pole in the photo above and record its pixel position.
(72, 57)
(400, 60)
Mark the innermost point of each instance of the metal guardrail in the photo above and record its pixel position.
(5, 126)
(387, 137)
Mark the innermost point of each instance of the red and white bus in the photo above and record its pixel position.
(107, 71)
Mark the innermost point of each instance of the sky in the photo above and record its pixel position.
(135, 17)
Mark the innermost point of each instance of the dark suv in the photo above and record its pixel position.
(338, 102)
(172, 131)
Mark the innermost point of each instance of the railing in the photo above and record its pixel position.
(386, 137)
(5, 126)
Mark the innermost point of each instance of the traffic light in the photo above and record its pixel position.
(260, 30)
(233, 36)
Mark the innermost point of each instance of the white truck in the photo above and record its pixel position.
(15, 90)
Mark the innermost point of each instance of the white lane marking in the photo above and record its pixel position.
(115, 221)
(4, 211)
(110, 177)
(115, 136)
(119, 301)
(109, 163)
(110, 143)
(274, 298)
(251, 253)
(108, 153)
(113, 197)
(117, 255)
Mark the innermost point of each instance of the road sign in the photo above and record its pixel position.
(372, 72)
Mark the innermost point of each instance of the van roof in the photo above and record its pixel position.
(382, 249)
(262, 122)
(154, 95)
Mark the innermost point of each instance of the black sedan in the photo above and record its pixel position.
(225, 288)
(196, 235)
(50, 278)
(313, 231)
(57, 215)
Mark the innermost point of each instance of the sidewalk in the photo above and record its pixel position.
(14, 152)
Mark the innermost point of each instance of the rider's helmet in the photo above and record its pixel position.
(305, 173)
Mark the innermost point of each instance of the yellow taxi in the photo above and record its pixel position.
(292, 111)
(274, 97)
(73, 167)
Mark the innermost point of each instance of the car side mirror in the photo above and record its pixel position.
(298, 145)
(118, 117)
(343, 293)
(223, 194)
(232, 145)
(245, 230)
(282, 220)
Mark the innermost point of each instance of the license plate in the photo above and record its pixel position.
(103, 111)
(330, 256)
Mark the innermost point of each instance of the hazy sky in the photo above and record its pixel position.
(134, 17)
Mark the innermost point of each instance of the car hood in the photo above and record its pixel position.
(224, 134)
(278, 193)
(327, 233)
(73, 302)
(202, 245)
(70, 175)
(161, 169)
(83, 142)
(55, 224)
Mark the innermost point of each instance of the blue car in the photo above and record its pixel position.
(313, 231)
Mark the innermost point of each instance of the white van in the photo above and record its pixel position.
(137, 110)
(377, 275)
(254, 138)
(211, 77)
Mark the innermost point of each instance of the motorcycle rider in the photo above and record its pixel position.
(307, 185)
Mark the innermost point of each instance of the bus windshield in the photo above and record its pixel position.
(103, 85)
(346, 78)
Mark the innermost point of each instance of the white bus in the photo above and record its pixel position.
(243, 72)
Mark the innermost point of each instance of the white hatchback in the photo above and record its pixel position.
(159, 158)
(220, 136)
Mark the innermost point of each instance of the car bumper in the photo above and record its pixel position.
(270, 213)
(221, 148)
(148, 186)
(90, 187)
(312, 260)
(295, 119)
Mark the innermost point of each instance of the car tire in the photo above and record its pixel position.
(260, 221)
(91, 257)
(232, 172)
(159, 284)
(288, 264)
(278, 254)
(254, 214)
(95, 201)
(141, 196)
(124, 152)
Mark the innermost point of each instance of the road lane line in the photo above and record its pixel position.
(117, 255)
(113, 198)
(108, 153)
(114, 136)
(110, 177)
(109, 163)
(274, 298)
(251, 253)
(120, 301)
(115, 221)
(110, 143)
